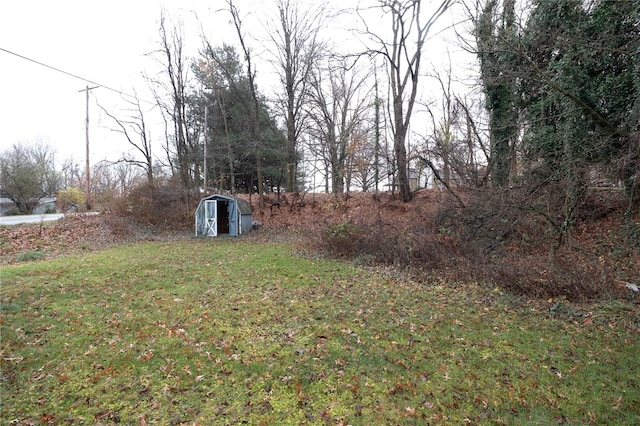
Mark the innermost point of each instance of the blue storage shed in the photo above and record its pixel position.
(223, 215)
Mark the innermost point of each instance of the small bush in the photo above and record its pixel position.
(69, 198)
(29, 255)
(342, 239)
(165, 205)
(419, 246)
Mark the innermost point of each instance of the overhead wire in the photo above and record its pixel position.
(120, 92)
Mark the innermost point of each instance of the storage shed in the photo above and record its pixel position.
(223, 215)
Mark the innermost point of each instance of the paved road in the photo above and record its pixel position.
(33, 218)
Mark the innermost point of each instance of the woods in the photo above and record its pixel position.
(556, 100)
(341, 99)
(561, 90)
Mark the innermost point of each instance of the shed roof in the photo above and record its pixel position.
(243, 205)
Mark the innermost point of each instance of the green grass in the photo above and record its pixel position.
(29, 255)
(226, 332)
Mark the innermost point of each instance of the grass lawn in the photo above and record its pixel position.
(226, 332)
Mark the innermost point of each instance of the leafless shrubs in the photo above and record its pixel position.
(565, 273)
(164, 205)
(502, 239)
(525, 240)
(419, 247)
(401, 238)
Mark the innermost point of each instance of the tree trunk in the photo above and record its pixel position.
(291, 151)
(401, 162)
(260, 178)
(400, 149)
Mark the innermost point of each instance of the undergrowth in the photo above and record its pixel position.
(499, 242)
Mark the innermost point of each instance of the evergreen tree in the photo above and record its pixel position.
(231, 143)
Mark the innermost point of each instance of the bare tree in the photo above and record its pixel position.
(444, 128)
(295, 38)
(28, 174)
(477, 151)
(70, 170)
(376, 151)
(103, 183)
(254, 104)
(125, 176)
(338, 102)
(135, 131)
(173, 83)
(363, 151)
(403, 55)
(451, 151)
(455, 141)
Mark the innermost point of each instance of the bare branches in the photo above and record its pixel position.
(254, 105)
(134, 129)
(295, 37)
(337, 105)
(403, 55)
(172, 58)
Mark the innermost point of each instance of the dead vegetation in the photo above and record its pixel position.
(512, 248)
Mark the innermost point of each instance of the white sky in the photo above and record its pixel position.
(105, 42)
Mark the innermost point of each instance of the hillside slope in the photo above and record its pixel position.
(604, 244)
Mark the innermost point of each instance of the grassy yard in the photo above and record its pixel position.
(227, 332)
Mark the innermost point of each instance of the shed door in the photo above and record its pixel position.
(211, 217)
(233, 219)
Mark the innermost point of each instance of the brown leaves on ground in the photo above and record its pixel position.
(601, 250)
(304, 212)
(71, 233)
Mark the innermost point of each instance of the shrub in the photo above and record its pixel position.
(511, 241)
(342, 239)
(495, 239)
(564, 274)
(29, 255)
(418, 246)
(165, 205)
(69, 198)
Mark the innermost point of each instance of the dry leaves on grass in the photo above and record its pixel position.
(76, 232)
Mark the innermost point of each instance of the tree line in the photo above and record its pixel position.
(561, 82)
(555, 109)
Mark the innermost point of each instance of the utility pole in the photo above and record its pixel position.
(88, 187)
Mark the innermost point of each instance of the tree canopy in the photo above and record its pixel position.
(231, 141)
(562, 90)
(28, 174)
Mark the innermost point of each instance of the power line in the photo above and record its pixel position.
(120, 92)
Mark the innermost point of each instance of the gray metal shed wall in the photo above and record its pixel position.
(246, 223)
(245, 219)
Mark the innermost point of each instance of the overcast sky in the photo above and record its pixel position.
(105, 42)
